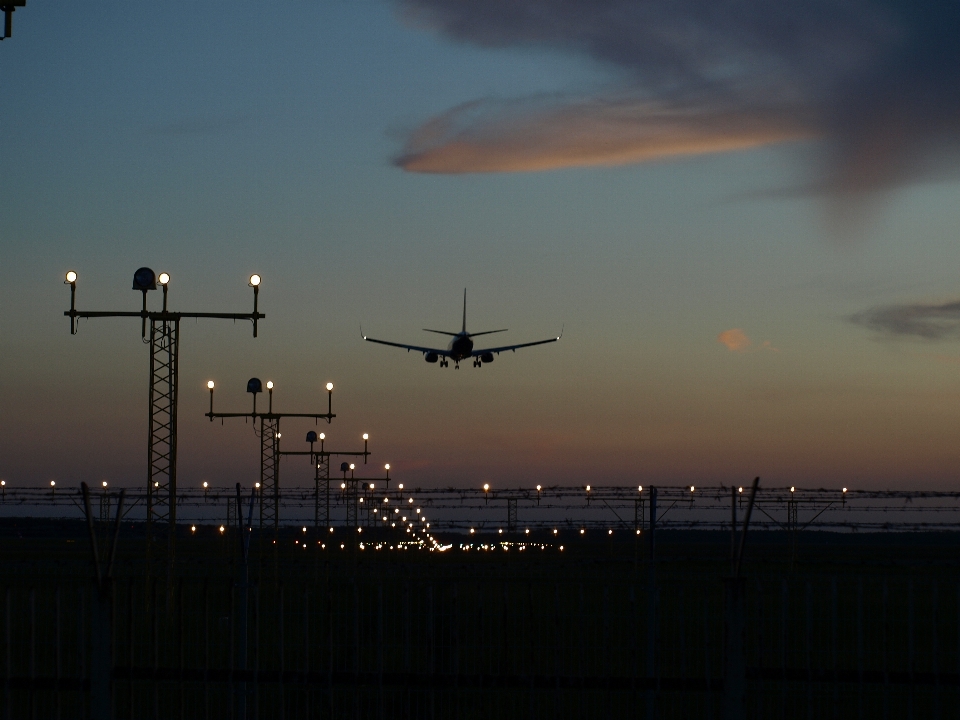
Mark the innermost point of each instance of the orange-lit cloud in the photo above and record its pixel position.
(528, 136)
(876, 81)
(735, 340)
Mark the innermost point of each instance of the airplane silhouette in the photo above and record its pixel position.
(461, 347)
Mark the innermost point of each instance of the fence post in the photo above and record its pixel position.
(734, 662)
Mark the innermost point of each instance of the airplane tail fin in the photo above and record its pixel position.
(464, 310)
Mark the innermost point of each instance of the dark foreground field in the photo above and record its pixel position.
(835, 626)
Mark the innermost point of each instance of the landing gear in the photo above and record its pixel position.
(444, 363)
(476, 363)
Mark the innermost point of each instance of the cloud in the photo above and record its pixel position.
(876, 81)
(735, 339)
(937, 321)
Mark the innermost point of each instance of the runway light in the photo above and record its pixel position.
(254, 280)
(71, 277)
(163, 278)
(329, 387)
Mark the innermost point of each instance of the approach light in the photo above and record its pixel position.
(323, 436)
(104, 483)
(193, 528)
(329, 387)
(538, 488)
(366, 436)
(3, 483)
(256, 485)
(269, 384)
(692, 488)
(639, 488)
(71, 278)
(740, 489)
(609, 532)
(471, 531)
(792, 488)
(486, 487)
(53, 483)
(222, 528)
(371, 486)
(582, 531)
(211, 384)
(588, 488)
(304, 529)
(400, 486)
(163, 279)
(844, 489)
(254, 280)
(554, 531)
(352, 466)
(387, 466)
(343, 486)
(205, 485)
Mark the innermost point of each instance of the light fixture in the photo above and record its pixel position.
(269, 384)
(329, 387)
(254, 280)
(366, 436)
(163, 278)
(71, 278)
(104, 483)
(211, 384)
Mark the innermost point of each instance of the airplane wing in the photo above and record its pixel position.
(499, 350)
(408, 348)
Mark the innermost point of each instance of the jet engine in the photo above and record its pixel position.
(486, 358)
(431, 357)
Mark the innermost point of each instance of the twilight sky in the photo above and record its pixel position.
(744, 216)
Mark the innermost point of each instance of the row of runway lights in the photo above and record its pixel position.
(486, 486)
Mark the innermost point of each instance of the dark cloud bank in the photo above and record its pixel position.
(930, 322)
(878, 83)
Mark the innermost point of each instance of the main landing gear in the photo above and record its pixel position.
(477, 362)
(444, 363)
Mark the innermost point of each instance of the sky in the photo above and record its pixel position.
(742, 216)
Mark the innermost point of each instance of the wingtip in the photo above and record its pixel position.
(561, 332)
(361, 332)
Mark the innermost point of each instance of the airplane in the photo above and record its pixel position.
(461, 347)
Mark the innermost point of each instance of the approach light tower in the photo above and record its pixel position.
(270, 445)
(164, 341)
(321, 479)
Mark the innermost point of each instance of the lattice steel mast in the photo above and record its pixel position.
(164, 341)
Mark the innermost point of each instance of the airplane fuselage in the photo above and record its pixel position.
(460, 347)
